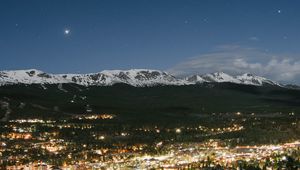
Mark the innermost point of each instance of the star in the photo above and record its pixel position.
(67, 31)
(279, 11)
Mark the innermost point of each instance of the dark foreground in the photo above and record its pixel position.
(122, 127)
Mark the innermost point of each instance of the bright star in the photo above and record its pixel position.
(67, 32)
(279, 11)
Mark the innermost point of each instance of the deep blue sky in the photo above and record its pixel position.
(156, 34)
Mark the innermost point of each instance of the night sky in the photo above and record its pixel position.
(182, 37)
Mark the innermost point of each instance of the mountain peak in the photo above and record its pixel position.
(219, 77)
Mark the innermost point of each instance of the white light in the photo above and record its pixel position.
(284, 158)
(67, 31)
(178, 130)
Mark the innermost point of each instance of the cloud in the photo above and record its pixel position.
(234, 59)
(254, 39)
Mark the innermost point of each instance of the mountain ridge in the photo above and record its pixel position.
(134, 77)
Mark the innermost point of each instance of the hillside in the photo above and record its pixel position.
(145, 102)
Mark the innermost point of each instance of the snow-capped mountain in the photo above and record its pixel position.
(134, 77)
(220, 77)
(255, 80)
